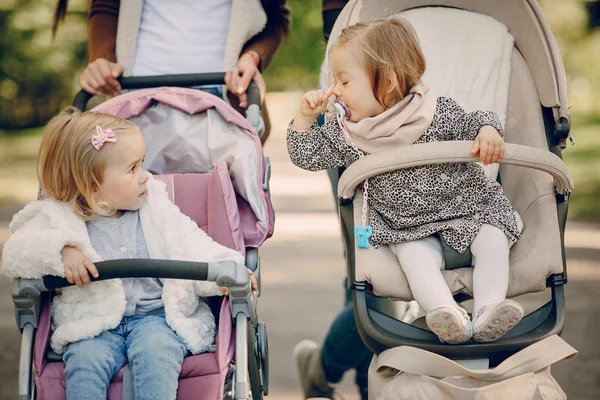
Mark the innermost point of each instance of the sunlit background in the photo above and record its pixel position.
(38, 76)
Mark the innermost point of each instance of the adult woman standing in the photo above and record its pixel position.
(154, 37)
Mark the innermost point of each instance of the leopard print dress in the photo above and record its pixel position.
(452, 199)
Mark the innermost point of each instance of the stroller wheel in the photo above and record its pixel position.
(262, 344)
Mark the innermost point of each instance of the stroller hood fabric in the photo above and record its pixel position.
(189, 131)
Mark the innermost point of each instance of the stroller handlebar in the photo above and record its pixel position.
(224, 273)
(181, 80)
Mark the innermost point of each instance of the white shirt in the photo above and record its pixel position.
(183, 36)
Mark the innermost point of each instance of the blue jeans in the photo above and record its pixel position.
(154, 352)
(343, 348)
(214, 90)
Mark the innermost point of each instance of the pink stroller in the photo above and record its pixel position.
(211, 160)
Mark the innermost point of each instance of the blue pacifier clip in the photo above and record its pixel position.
(363, 233)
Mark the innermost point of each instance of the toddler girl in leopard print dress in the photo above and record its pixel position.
(377, 67)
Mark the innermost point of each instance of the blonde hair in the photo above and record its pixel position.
(69, 168)
(391, 55)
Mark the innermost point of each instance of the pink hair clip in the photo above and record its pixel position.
(102, 136)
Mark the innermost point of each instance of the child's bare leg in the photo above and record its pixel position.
(493, 315)
(422, 261)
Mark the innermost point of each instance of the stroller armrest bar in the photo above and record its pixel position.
(225, 273)
(26, 292)
(418, 155)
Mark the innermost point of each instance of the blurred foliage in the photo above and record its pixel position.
(37, 73)
(38, 76)
(296, 65)
(574, 24)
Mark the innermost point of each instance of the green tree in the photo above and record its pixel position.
(296, 65)
(38, 74)
(574, 25)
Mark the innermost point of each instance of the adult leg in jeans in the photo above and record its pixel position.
(342, 350)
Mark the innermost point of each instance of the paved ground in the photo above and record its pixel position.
(302, 287)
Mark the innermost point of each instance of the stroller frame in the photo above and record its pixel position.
(376, 323)
(250, 378)
(380, 330)
(250, 334)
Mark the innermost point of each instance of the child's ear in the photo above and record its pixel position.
(392, 83)
(96, 193)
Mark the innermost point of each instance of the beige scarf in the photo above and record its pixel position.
(401, 125)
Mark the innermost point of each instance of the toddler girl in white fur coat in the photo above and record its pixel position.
(102, 205)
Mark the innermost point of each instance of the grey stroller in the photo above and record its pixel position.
(531, 93)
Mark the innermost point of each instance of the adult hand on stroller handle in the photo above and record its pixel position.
(181, 80)
(224, 273)
(245, 71)
(450, 152)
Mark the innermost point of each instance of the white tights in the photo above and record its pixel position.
(422, 262)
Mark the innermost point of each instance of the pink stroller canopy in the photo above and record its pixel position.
(190, 131)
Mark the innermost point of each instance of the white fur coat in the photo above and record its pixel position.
(43, 228)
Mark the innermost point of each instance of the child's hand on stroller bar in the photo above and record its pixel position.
(253, 282)
(77, 266)
(489, 144)
(100, 77)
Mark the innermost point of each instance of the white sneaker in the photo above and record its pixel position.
(493, 321)
(451, 325)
